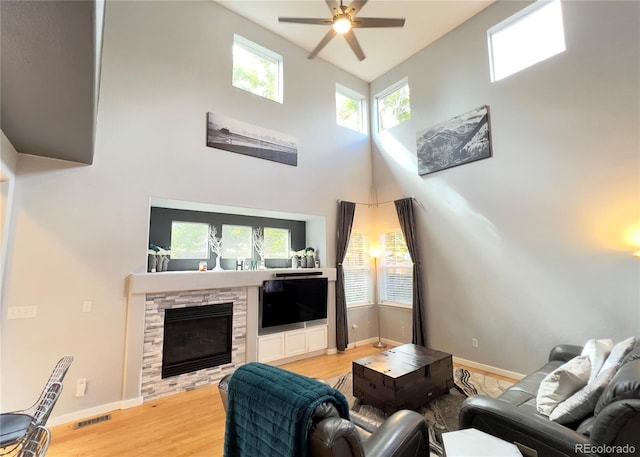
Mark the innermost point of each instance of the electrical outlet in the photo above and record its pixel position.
(81, 387)
(474, 342)
(87, 306)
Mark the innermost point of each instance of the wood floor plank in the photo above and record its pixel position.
(190, 424)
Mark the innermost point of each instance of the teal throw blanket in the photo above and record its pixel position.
(270, 409)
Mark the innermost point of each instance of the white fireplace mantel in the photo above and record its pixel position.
(151, 283)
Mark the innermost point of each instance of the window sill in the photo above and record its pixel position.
(389, 304)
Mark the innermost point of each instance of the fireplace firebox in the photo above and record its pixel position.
(196, 338)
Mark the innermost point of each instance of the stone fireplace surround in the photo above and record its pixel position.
(147, 290)
(153, 386)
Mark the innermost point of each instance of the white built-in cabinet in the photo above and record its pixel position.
(292, 343)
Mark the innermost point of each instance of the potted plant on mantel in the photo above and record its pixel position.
(216, 247)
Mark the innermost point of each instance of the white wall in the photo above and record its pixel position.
(81, 230)
(527, 249)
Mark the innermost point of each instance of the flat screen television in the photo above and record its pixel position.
(288, 301)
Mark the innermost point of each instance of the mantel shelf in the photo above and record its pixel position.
(169, 281)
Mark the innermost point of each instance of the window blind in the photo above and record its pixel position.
(357, 270)
(397, 270)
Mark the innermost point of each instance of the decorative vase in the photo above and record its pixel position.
(295, 262)
(303, 261)
(163, 263)
(152, 263)
(218, 261)
(311, 261)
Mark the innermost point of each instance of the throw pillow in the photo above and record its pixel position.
(582, 403)
(562, 382)
(598, 351)
(619, 351)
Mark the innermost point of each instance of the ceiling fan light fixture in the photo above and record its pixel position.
(342, 25)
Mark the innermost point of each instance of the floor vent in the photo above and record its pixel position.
(95, 420)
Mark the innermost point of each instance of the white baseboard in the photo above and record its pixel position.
(92, 412)
(489, 368)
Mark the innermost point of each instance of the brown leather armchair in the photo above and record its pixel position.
(403, 434)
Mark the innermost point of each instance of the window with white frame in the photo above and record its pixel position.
(189, 240)
(276, 243)
(393, 105)
(237, 241)
(350, 109)
(396, 269)
(257, 69)
(357, 270)
(526, 38)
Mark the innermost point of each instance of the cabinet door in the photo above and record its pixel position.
(271, 347)
(295, 343)
(316, 338)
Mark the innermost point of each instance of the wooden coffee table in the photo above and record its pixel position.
(405, 377)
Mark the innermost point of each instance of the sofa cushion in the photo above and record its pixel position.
(625, 385)
(618, 353)
(563, 382)
(634, 354)
(597, 351)
(582, 403)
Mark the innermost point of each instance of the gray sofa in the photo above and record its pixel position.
(613, 429)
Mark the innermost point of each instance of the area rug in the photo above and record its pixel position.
(441, 413)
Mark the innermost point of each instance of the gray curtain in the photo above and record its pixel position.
(407, 219)
(346, 211)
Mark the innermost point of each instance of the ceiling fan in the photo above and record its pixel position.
(343, 22)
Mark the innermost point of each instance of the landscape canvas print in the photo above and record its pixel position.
(243, 138)
(463, 139)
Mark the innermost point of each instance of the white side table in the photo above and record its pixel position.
(474, 443)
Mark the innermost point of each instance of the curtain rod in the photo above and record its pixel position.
(369, 205)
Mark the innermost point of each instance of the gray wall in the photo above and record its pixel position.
(80, 231)
(527, 249)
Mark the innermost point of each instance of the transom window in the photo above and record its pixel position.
(189, 240)
(526, 38)
(237, 241)
(257, 69)
(397, 269)
(350, 109)
(357, 270)
(276, 243)
(393, 105)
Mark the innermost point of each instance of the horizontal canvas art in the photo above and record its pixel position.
(242, 138)
(460, 140)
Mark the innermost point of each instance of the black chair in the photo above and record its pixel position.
(16, 426)
(35, 444)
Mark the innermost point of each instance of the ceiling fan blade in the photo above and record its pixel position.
(357, 6)
(353, 42)
(365, 22)
(333, 6)
(304, 20)
(330, 34)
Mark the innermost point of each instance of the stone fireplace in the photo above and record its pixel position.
(196, 338)
(206, 335)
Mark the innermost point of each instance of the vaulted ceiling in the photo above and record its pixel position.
(51, 51)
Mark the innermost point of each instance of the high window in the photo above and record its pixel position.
(350, 109)
(526, 38)
(393, 105)
(237, 241)
(357, 270)
(276, 243)
(189, 240)
(257, 69)
(396, 269)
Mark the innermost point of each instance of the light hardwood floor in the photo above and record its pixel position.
(187, 424)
